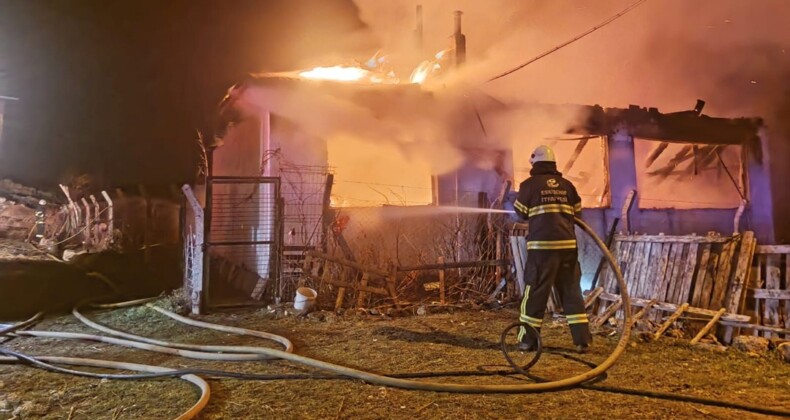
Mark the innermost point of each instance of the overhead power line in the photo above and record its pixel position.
(578, 37)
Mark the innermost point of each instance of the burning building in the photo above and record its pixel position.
(389, 141)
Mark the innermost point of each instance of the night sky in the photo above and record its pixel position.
(116, 89)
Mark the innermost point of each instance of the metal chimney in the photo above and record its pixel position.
(459, 41)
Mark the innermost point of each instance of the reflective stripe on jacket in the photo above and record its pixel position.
(549, 202)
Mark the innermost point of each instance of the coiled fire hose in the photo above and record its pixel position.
(247, 353)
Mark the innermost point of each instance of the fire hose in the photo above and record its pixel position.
(249, 353)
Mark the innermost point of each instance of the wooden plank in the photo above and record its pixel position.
(661, 277)
(673, 239)
(625, 262)
(722, 279)
(758, 315)
(588, 301)
(772, 281)
(771, 294)
(671, 320)
(687, 274)
(671, 307)
(627, 204)
(632, 261)
(607, 314)
(699, 276)
(773, 249)
(644, 268)
(648, 306)
(633, 264)
(637, 261)
(652, 280)
(707, 287)
(755, 327)
(677, 282)
(670, 275)
(708, 326)
(741, 275)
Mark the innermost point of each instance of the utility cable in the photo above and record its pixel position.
(571, 41)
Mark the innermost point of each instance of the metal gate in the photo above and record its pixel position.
(243, 237)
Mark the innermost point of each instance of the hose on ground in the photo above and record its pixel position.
(16, 357)
(376, 378)
(205, 391)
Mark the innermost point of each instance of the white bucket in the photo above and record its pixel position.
(305, 298)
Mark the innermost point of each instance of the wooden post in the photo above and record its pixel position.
(195, 285)
(742, 269)
(708, 326)
(341, 292)
(670, 321)
(442, 290)
(361, 290)
(629, 202)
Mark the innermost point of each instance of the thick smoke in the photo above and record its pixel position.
(665, 53)
(734, 54)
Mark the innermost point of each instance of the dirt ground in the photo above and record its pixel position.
(464, 340)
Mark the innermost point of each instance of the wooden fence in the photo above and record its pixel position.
(771, 292)
(701, 275)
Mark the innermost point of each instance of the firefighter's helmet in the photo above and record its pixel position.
(542, 154)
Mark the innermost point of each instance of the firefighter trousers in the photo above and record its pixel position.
(560, 269)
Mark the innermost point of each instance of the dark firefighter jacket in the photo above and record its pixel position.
(549, 202)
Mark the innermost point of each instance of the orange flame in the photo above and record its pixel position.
(375, 70)
(346, 74)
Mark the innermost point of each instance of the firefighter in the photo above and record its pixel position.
(549, 202)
